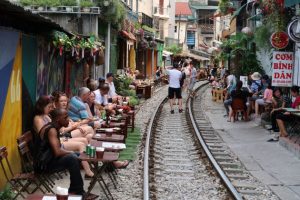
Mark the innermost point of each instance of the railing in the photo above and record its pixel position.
(132, 16)
(63, 9)
(161, 12)
(147, 20)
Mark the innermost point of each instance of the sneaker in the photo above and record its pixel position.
(172, 111)
(180, 110)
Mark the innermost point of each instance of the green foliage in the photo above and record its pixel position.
(127, 92)
(149, 29)
(133, 101)
(122, 83)
(122, 87)
(240, 47)
(53, 3)
(26, 2)
(175, 49)
(7, 193)
(86, 3)
(262, 36)
(115, 13)
(69, 2)
(224, 5)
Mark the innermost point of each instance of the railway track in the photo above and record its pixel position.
(186, 159)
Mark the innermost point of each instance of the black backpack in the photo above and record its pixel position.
(183, 76)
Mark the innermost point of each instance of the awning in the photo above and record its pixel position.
(204, 7)
(238, 11)
(167, 53)
(289, 3)
(128, 35)
(194, 56)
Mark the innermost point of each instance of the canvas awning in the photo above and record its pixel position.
(194, 56)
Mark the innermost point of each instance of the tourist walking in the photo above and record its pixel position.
(193, 77)
(174, 87)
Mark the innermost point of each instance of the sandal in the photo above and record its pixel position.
(90, 196)
(87, 177)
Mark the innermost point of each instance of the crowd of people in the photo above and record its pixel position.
(256, 93)
(63, 126)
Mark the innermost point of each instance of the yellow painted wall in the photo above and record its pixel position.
(11, 122)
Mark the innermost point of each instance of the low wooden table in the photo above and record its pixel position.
(112, 138)
(96, 143)
(41, 196)
(107, 160)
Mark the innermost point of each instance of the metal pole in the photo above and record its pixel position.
(152, 63)
(107, 50)
(179, 28)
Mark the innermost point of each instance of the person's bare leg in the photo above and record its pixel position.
(256, 109)
(171, 104)
(88, 132)
(282, 129)
(79, 139)
(79, 147)
(180, 103)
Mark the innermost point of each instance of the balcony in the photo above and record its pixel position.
(63, 10)
(147, 20)
(161, 13)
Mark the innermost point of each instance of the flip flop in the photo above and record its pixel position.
(272, 140)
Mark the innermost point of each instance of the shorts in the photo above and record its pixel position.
(285, 118)
(262, 102)
(176, 91)
(191, 85)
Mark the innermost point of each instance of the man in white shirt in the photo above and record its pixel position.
(112, 90)
(101, 95)
(174, 87)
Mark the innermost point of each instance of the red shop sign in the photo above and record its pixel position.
(279, 40)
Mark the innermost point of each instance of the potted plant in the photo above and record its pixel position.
(68, 4)
(27, 4)
(53, 4)
(41, 4)
(86, 5)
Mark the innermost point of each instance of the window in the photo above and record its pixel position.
(175, 29)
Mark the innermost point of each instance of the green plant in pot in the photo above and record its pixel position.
(7, 193)
(41, 4)
(26, 2)
(53, 4)
(68, 3)
(86, 4)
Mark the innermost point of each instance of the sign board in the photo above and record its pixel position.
(282, 66)
(244, 79)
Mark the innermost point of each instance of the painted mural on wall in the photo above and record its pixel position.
(10, 95)
(29, 71)
(50, 70)
(76, 77)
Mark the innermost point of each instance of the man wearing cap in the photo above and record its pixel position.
(256, 83)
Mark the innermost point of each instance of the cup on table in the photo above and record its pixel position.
(62, 193)
(109, 132)
(100, 152)
(62, 197)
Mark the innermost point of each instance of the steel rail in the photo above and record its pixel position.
(236, 195)
(147, 149)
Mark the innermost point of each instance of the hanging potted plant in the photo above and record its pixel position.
(26, 4)
(68, 4)
(86, 5)
(53, 5)
(41, 4)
